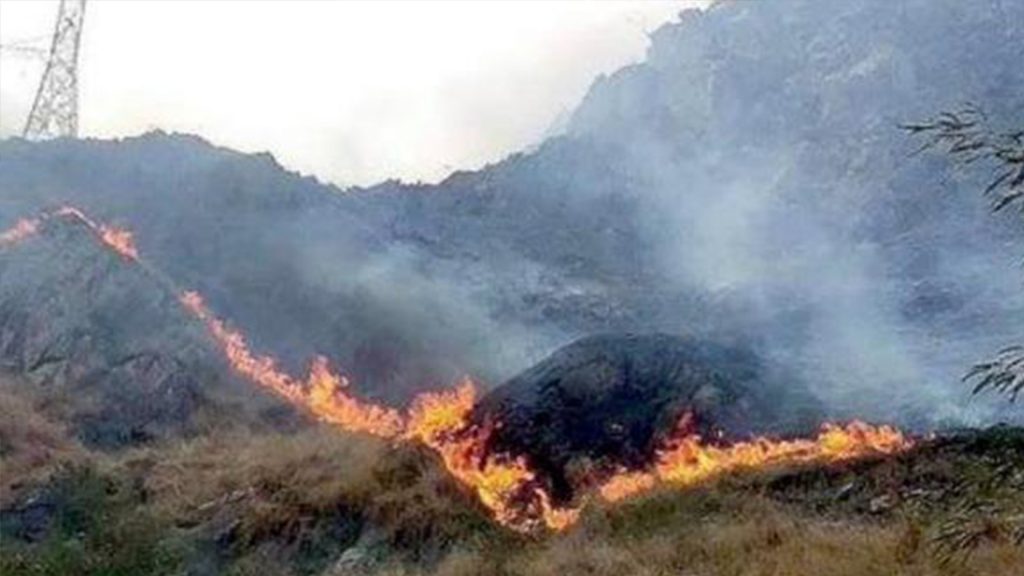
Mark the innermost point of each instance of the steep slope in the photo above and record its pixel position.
(754, 163)
(106, 346)
(747, 182)
(284, 257)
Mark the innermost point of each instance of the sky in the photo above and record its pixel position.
(351, 92)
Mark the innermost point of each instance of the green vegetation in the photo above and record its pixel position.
(97, 527)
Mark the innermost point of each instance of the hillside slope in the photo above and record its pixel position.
(747, 182)
(277, 506)
(103, 345)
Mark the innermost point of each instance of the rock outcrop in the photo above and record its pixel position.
(108, 347)
(612, 399)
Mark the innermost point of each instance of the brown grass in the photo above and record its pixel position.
(281, 488)
(720, 535)
(767, 546)
(316, 468)
(275, 493)
(31, 446)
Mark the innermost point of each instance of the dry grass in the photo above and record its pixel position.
(31, 446)
(262, 504)
(290, 504)
(316, 489)
(317, 468)
(768, 546)
(724, 535)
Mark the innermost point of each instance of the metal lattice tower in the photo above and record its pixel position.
(55, 108)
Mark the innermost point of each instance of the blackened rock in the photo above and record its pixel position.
(611, 399)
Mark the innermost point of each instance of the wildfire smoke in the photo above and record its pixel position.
(506, 485)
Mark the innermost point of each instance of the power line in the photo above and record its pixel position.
(55, 108)
(26, 51)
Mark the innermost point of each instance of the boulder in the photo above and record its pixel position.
(611, 399)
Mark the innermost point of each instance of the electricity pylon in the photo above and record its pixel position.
(55, 108)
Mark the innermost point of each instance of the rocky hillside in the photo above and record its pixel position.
(103, 346)
(747, 182)
(750, 177)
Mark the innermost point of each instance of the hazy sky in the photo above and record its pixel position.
(352, 92)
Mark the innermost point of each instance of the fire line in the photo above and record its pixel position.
(506, 485)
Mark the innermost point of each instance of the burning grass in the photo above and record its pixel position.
(714, 533)
(119, 240)
(757, 526)
(293, 504)
(504, 483)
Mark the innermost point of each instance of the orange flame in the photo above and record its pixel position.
(21, 230)
(120, 240)
(117, 239)
(441, 420)
(322, 394)
(686, 461)
(504, 485)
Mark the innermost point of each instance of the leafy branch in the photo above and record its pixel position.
(968, 137)
(1003, 374)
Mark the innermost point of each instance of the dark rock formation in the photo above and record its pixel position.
(612, 398)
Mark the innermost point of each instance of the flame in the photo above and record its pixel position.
(687, 461)
(323, 393)
(503, 484)
(329, 401)
(441, 421)
(117, 239)
(21, 230)
(120, 240)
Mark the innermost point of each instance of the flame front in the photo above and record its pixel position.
(687, 461)
(503, 484)
(121, 241)
(324, 393)
(117, 239)
(506, 485)
(441, 420)
(21, 230)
